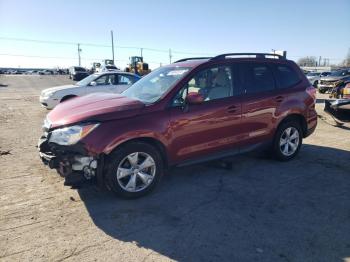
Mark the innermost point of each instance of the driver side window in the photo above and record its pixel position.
(105, 80)
(214, 83)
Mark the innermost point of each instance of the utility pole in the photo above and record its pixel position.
(141, 52)
(79, 50)
(112, 46)
(319, 61)
(170, 55)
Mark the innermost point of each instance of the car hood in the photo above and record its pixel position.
(58, 88)
(332, 78)
(310, 77)
(94, 107)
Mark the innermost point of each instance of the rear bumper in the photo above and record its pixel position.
(311, 122)
(310, 131)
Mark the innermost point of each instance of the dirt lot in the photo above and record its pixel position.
(262, 210)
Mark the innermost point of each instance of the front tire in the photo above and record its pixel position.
(287, 141)
(134, 170)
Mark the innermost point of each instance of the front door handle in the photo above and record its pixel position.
(232, 109)
(279, 99)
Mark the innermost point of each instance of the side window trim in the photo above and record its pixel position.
(235, 80)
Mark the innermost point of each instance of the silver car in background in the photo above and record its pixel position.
(327, 83)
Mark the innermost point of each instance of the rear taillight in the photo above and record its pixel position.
(312, 92)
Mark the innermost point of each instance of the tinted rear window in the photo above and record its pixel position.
(79, 69)
(255, 78)
(286, 76)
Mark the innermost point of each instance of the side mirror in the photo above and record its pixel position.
(93, 83)
(194, 98)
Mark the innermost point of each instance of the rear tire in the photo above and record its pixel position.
(128, 174)
(287, 141)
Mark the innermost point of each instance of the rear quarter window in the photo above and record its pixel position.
(286, 76)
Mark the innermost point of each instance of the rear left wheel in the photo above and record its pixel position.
(287, 141)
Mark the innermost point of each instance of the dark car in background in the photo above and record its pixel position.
(194, 110)
(77, 73)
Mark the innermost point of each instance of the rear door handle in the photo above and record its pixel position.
(279, 99)
(232, 109)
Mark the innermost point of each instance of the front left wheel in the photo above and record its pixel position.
(134, 170)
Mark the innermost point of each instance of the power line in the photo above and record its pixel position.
(97, 45)
(165, 51)
(71, 58)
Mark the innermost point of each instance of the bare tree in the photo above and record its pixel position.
(307, 61)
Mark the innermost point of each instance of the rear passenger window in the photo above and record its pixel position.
(256, 78)
(286, 76)
(125, 80)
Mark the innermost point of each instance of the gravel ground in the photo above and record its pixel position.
(261, 210)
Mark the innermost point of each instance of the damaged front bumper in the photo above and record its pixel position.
(69, 161)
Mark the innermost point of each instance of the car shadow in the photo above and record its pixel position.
(260, 210)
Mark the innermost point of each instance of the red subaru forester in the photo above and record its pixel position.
(196, 109)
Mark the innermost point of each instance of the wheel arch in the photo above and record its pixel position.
(148, 140)
(66, 97)
(298, 118)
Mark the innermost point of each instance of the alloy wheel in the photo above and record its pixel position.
(289, 141)
(136, 171)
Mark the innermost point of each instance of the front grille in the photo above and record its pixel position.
(328, 82)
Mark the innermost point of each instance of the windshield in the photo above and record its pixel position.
(87, 80)
(151, 87)
(313, 74)
(338, 73)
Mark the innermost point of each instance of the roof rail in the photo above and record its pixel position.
(257, 55)
(191, 58)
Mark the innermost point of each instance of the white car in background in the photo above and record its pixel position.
(110, 82)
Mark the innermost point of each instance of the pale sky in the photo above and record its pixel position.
(188, 27)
